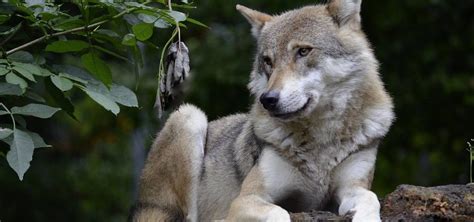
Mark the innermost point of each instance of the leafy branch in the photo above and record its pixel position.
(27, 76)
(78, 29)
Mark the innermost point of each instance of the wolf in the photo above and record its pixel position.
(308, 142)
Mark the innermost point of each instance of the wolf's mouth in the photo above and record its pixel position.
(293, 113)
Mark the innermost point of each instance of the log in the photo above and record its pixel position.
(414, 203)
(443, 203)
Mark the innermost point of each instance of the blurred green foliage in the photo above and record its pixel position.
(425, 48)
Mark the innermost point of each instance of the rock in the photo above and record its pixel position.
(443, 203)
(414, 203)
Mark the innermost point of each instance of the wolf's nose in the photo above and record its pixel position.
(270, 99)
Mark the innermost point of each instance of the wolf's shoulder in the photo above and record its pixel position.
(230, 121)
(224, 132)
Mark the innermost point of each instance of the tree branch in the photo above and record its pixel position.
(70, 31)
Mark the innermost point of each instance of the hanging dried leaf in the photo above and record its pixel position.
(176, 71)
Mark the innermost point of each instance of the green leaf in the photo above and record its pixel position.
(3, 70)
(104, 101)
(109, 33)
(182, 6)
(123, 95)
(62, 83)
(157, 20)
(106, 35)
(60, 98)
(67, 46)
(39, 60)
(134, 4)
(177, 16)
(182, 25)
(5, 132)
(21, 121)
(45, 72)
(74, 78)
(32, 68)
(160, 23)
(14, 29)
(143, 31)
(36, 110)
(148, 17)
(129, 40)
(23, 8)
(25, 73)
(67, 24)
(16, 80)
(97, 67)
(76, 72)
(4, 18)
(196, 22)
(21, 152)
(166, 16)
(9, 89)
(22, 56)
(38, 141)
(35, 97)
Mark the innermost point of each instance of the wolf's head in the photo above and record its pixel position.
(309, 58)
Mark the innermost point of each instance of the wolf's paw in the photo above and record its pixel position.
(364, 207)
(275, 214)
(278, 214)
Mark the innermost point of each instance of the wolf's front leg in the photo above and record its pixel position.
(352, 179)
(264, 183)
(255, 208)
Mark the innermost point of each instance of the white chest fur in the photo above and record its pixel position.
(282, 180)
(279, 176)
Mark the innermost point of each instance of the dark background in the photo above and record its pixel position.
(426, 51)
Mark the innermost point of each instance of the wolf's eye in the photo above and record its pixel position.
(302, 52)
(267, 65)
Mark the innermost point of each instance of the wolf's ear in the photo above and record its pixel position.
(256, 19)
(345, 11)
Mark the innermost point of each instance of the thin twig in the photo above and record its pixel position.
(11, 115)
(177, 26)
(161, 68)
